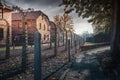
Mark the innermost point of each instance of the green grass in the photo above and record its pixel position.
(2, 49)
(88, 43)
(11, 48)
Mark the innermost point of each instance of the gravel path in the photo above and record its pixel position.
(86, 66)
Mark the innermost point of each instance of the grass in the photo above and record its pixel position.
(11, 48)
(88, 43)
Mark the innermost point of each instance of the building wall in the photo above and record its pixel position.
(17, 30)
(43, 26)
(33, 25)
(3, 25)
(17, 26)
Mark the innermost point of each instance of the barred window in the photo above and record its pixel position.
(39, 26)
(44, 37)
(44, 27)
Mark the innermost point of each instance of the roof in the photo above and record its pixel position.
(30, 15)
(53, 26)
(5, 8)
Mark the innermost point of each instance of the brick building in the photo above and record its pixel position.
(35, 21)
(5, 23)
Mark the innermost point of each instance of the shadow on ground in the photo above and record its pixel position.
(88, 67)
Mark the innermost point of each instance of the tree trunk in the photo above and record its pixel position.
(115, 41)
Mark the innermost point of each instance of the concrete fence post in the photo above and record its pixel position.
(8, 42)
(50, 42)
(37, 57)
(24, 43)
(24, 47)
(69, 58)
(79, 44)
(71, 40)
(75, 46)
(55, 43)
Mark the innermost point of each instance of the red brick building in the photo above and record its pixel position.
(5, 22)
(36, 21)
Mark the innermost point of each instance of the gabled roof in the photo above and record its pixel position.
(5, 7)
(30, 15)
(53, 26)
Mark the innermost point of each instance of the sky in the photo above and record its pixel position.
(51, 8)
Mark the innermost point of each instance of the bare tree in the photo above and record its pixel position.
(66, 23)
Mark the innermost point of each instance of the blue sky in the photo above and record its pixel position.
(51, 8)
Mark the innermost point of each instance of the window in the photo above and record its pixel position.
(1, 33)
(19, 25)
(48, 37)
(48, 28)
(44, 27)
(39, 26)
(44, 37)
